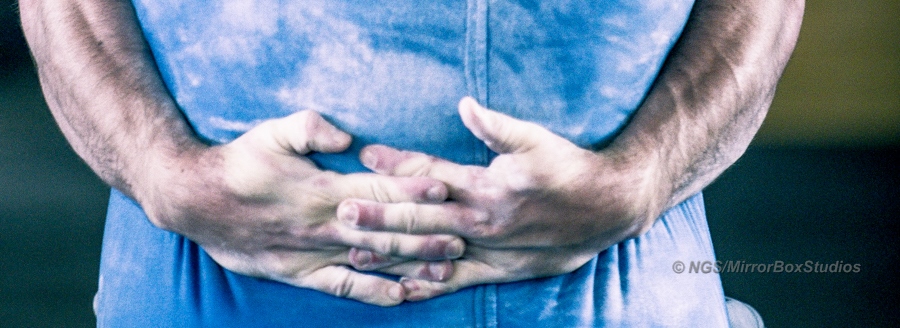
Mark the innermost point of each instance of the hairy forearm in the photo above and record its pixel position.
(103, 88)
(713, 92)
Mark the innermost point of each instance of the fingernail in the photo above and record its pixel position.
(340, 139)
(348, 212)
(360, 258)
(454, 249)
(436, 194)
(412, 290)
(439, 271)
(368, 159)
(396, 293)
(409, 285)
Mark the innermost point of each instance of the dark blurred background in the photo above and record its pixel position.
(819, 183)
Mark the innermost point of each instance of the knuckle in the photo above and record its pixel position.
(380, 192)
(325, 188)
(273, 265)
(473, 178)
(409, 214)
(430, 164)
(393, 246)
(516, 175)
(279, 268)
(484, 231)
(304, 118)
(381, 245)
(265, 126)
(481, 225)
(305, 123)
(343, 286)
(417, 165)
(323, 234)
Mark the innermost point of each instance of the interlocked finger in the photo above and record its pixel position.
(389, 189)
(432, 247)
(466, 273)
(343, 282)
(422, 270)
(410, 218)
(389, 161)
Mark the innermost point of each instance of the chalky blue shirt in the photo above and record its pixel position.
(392, 73)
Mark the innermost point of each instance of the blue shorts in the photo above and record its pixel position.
(392, 74)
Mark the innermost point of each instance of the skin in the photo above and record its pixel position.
(259, 207)
(530, 214)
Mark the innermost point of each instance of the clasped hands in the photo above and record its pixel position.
(543, 207)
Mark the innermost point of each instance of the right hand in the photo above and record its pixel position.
(259, 207)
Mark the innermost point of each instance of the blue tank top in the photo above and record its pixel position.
(392, 73)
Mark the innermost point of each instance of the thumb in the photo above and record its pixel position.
(303, 132)
(501, 133)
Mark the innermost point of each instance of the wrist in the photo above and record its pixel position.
(649, 184)
(169, 177)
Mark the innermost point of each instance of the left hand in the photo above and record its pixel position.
(543, 207)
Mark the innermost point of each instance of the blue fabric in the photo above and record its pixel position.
(392, 73)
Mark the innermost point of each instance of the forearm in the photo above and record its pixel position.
(713, 92)
(104, 90)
